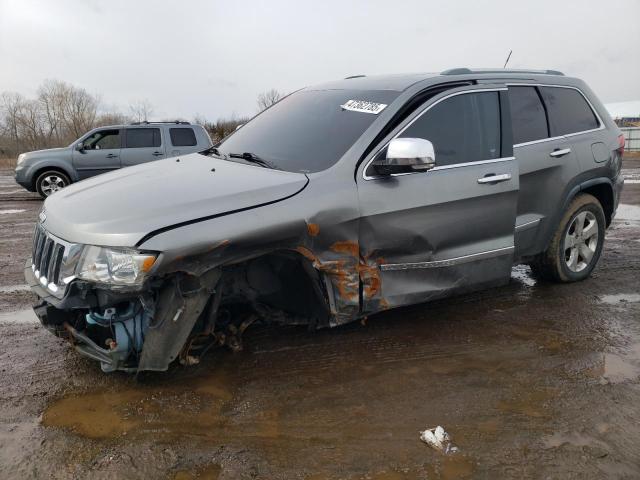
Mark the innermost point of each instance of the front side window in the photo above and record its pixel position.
(528, 119)
(310, 130)
(568, 111)
(143, 138)
(462, 128)
(102, 139)
(182, 137)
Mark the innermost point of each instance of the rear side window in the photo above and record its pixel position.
(568, 111)
(182, 137)
(528, 119)
(143, 137)
(463, 128)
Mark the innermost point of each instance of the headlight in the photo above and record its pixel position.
(20, 159)
(114, 266)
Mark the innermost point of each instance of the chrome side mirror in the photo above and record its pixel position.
(79, 147)
(406, 155)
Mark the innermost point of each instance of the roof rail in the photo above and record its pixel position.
(467, 71)
(354, 76)
(176, 122)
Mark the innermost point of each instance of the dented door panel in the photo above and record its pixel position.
(429, 232)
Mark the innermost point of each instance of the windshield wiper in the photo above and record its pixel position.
(253, 158)
(212, 151)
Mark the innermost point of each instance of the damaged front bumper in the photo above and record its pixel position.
(128, 330)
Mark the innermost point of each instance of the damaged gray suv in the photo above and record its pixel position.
(340, 201)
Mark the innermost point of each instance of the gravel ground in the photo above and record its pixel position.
(531, 380)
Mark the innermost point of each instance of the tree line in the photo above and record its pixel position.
(60, 113)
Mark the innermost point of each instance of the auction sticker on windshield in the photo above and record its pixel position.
(363, 106)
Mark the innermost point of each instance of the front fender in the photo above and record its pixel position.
(38, 164)
(325, 232)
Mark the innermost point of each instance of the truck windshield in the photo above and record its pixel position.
(309, 130)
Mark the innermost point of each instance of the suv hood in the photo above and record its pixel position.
(119, 208)
(47, 152)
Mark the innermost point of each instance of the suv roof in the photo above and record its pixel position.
(400, 82)
(145, 123)
(175, 122)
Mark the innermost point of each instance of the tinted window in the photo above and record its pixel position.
(463, 128)
(143, 137)
(568, 111)
(102, 139)
(307, 131)
(182, 137)
(528, 119)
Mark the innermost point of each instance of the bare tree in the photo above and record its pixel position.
(31, 125)
(111, 118)
(51, 96)
(59, 114)
(222, 127)
(79, 110)
(141, 110)
(268, 98)
(10, 106)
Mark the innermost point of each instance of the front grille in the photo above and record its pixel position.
(48, 258)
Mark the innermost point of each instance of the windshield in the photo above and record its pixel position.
(309, 130)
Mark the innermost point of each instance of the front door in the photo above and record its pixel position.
(100, 153)
(450, 229)
(141, 145)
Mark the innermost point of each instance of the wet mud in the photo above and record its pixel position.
(531, 380)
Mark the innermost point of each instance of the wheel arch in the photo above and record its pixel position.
(41, 169)
(602, 189)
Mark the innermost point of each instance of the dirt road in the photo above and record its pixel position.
(531, 381)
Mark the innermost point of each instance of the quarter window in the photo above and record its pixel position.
(182, 137)
(463, 128)
(528, 118)
(143, 138)
(568, 111)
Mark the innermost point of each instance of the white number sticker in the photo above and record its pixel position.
(363, 106)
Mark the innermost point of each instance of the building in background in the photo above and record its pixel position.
(627, 117)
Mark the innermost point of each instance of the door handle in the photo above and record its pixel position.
(112, 155)
(560, 152)
(492, 178)
(157, 154)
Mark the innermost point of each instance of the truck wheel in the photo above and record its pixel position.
(50, 182)
(577, 244)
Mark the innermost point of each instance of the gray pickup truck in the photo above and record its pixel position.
(107, 148)
(340, 201)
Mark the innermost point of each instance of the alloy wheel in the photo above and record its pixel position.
(581, 241)
(51, 184)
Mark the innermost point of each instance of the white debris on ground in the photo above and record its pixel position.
(439, 439)
(631, 175)
(8, 212)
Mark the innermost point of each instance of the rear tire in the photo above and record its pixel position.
(51, 181)
(576, 245)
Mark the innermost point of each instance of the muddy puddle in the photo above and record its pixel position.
(187, 408)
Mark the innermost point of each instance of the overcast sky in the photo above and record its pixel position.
(213, 57)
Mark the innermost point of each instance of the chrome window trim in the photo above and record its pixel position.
(468, 164)
(425, 110)
(449, 262)
(550, 139)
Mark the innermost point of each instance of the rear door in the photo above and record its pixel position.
(541, 116)
(142, 144)
(100, 153)
(450, 229)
